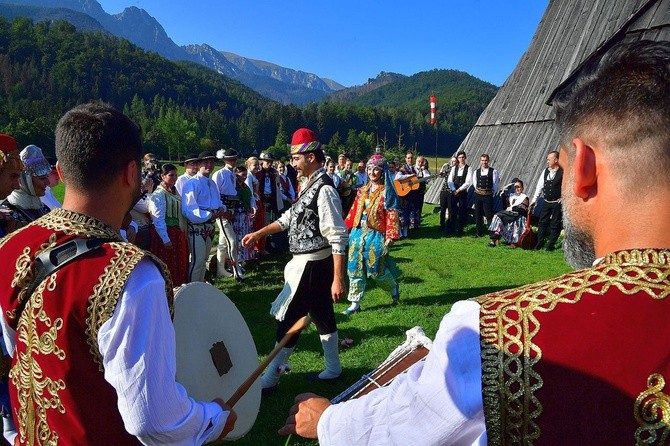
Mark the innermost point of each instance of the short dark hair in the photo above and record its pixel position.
(94, 143)
(459, 153)
(319, 156)
(623, 99)
(556, 153)
(485, 155)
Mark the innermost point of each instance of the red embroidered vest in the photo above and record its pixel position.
(58, 391)
(378, 218)
(580, 359)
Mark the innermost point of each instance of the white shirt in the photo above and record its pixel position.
(137, 345)
(437, 402)
(49, 199)
(158, 209)
(200, 198)
(458, 171)
(539, 188)
(225, 180)
(496, 177)
(183, 178)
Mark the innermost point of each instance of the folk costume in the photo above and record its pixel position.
(259, 217)
(270, 190)
(486, 182)
(373, 220)
(551, 215)
(509, 224)
(459, 180)
(563, 361)
(316, 232)
(169, 226)
(200, 201)
(25, 203)
(184, 177)
(83, 370)
(227, 249)
(406, 213)
(445, 194)
(242, 224)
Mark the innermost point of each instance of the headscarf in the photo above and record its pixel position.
(391, 201)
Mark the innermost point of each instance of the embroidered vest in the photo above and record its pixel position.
(580, 359)
(459, 180)
(304, 235)
(485, 181)
(57, 386)
(552, 188)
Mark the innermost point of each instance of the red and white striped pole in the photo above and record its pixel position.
(432, 110)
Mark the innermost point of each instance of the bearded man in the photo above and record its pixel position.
(578, 359)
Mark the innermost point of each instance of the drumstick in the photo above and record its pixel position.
(300, 325)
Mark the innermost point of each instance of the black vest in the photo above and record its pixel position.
(460, 180)
(486, 181)
(552, 188)
(304, 235)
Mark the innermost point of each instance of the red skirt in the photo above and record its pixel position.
(176, 258)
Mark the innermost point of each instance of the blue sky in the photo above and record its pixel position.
(350, 41)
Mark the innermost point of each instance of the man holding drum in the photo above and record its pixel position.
(578, 359)
(314, 278)
(89, 326)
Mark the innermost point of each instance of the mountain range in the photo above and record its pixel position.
(136, 25)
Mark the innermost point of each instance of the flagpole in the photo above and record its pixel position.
(433, 121)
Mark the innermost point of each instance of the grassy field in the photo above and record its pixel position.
(436, 272)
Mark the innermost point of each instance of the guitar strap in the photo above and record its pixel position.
(51, 260)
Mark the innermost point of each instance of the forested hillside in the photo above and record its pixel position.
(460, 97)
(49, 67)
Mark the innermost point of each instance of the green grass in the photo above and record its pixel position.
(436, 272)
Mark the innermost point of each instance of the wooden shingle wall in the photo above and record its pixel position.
(516, 129)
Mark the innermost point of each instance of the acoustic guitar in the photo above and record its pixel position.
(406, 185)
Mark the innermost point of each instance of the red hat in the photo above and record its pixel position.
(304, 140)
(9, 155)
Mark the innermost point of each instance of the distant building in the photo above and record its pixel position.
(517, 128)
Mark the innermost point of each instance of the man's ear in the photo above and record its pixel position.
(59, 171)
(585, 172)
(131, 173)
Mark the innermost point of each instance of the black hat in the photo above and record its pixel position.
(206, 155)
(266, 156)
(190, 157)
(228, 154)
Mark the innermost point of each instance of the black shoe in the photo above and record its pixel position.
(551, 248)
(314, 376)
(269, 390)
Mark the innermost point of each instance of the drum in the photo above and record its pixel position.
(215, 351)
(414, 349)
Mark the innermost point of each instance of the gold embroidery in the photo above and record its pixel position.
(106, 293)
(508, 326)
(652, 413)
(74, 223)
(35, 392)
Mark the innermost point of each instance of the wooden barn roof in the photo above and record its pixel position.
(517, 127)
